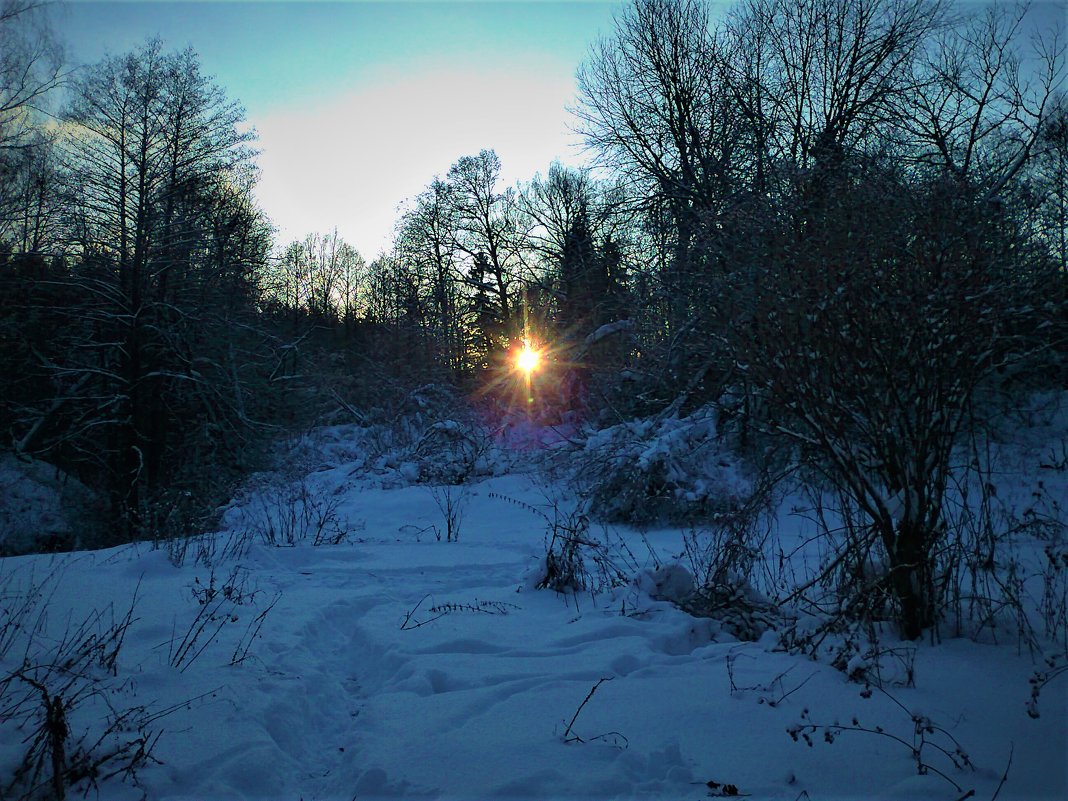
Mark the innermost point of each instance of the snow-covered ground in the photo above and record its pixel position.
(387, 662)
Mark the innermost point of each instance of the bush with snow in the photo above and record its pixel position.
(433, 437)
(660, 470)
(42, 508)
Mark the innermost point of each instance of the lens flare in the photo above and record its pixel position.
(528, 359)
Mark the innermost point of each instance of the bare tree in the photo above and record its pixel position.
(352, 272)
(1050, 181)
(31, 66)
(331, 268)
(648, 106)
(397, 317)
(576, 225)
(164, 245)
(426, 241)
(651, 109)
(983, 97)
(487, 233)
(30, 197)
(822, 77)
(655, 108)
(554, 203)
(313, 287)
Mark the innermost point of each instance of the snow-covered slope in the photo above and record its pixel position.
(395, 664)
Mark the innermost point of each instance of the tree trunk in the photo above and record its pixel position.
(911, 580)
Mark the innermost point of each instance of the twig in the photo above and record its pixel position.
(581, 706)
(360, 418)
(407, 625)
(1005, 773)
(252, 631)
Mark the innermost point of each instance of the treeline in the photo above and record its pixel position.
(474, 267)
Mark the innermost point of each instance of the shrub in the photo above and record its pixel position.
(660, 470)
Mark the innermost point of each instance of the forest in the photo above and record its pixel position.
(841, 225)
(820, 245)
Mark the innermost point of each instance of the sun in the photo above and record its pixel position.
(528, 358)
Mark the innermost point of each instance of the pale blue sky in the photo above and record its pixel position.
(359, 104)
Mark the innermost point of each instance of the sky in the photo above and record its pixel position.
(359, 105)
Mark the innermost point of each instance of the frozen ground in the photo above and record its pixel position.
(394, 664)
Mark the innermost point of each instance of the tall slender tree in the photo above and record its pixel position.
(487, 233)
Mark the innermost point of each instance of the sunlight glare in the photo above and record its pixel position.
(528, 359)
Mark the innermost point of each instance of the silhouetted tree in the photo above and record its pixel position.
(487, 233)
(575, 225)
(427, 242)
(31, 63)
(165, 245)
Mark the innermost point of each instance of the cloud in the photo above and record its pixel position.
(350, 162)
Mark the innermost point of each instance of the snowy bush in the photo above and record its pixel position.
(451, 502)
(433, 437)
(660, 469)
(567, 541)
(577, 559)
(42, 508)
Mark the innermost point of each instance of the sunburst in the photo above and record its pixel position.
(528, 359)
